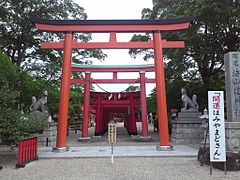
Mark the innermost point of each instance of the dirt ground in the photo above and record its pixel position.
(8, 156)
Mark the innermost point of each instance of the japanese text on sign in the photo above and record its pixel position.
(216, 126)
(112, 133)
(235, 84)
(232, 83)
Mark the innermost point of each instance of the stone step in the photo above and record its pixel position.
(189, 114)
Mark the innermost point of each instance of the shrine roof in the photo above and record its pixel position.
(113, 21)
(99, 26)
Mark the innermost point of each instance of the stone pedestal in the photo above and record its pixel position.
(48, 137)
(84, 139)
(96, 138)
(145, 138)
(186, 128)
(232, 135)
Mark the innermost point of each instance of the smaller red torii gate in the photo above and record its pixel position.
(68, 27)
(87, 81)
(107, 105)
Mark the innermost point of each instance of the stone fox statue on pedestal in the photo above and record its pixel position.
(187, 102)
(38, 106)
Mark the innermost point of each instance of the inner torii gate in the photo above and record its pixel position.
(68, 27)
(87, 81)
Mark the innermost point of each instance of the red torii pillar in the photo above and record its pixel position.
(98, 117)
(160, 92)
(145, 135)
(132, 126)
(86, 107)
(64, 94)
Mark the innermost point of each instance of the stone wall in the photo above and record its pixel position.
(48, 137)
(232, 134)
(188, 128)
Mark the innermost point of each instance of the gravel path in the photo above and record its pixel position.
(122, 169)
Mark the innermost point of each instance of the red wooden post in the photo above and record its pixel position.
(20, 153)
(132, 124)
(98, 117)
(35, 149)
(33, 141)
(24, 151)
(143, 104)
(160, 91)
(64, 94)
(101, 117)
(31, 149)
(86, 105)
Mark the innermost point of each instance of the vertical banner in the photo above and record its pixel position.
(216, 126)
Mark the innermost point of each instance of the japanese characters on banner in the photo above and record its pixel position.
(216, 126)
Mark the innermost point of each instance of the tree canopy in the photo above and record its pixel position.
(214, 32)
(20, 40)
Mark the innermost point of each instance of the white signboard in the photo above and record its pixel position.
(216, 126)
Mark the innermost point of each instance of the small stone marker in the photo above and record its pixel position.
(232, 81)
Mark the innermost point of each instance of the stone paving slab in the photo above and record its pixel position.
(119, 151)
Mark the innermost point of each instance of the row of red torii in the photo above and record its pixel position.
(107, 103)
(69, 27)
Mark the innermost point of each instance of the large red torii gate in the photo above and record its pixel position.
(68, 27)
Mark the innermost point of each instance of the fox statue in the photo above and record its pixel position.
(39, 105)
(187, 102)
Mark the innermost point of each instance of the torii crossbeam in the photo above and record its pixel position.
(112, 26)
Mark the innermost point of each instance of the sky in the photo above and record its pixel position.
(116, 9)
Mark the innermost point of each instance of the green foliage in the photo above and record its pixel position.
(34, 124)
(15, 126)
(152, 101)
(132, 89)
(9, 80)
(18, 32)
(76, 99)
(215, 31)
(16, 90)
(20, 40)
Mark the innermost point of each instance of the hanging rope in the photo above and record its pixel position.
(102, 88)
(120, 91)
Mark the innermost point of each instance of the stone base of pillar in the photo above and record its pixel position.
(96, 138)
(132, 133)
(60, 150)
(145, 138)
(84, 139)
(164, 148)
(134, 137)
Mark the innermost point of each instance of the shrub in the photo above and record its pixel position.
(15, 126)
